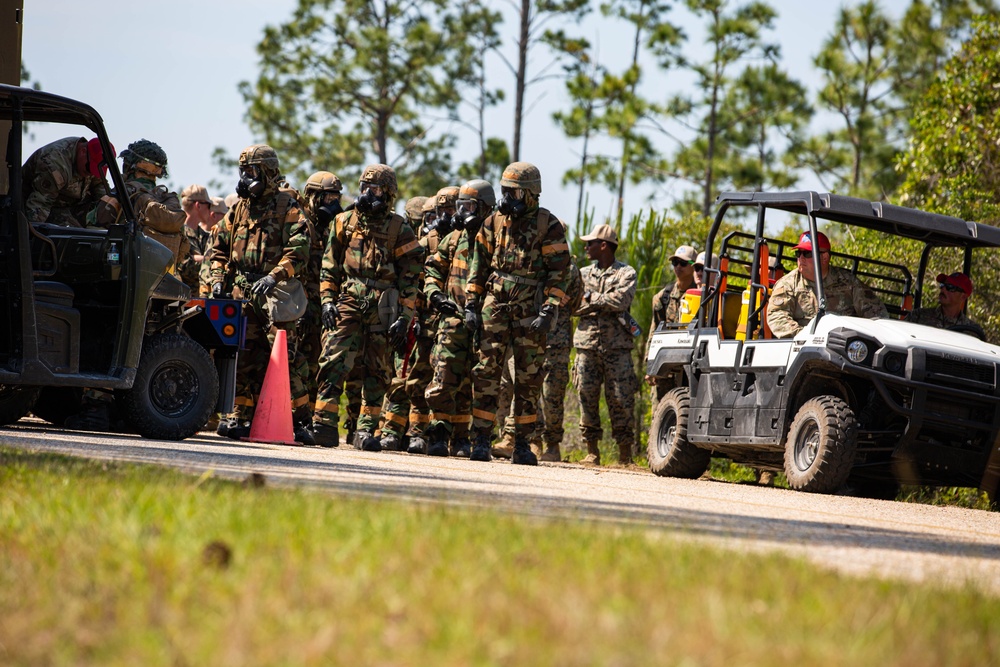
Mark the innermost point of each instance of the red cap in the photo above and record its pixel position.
(95, 158)
(805, 243)
(959, 280)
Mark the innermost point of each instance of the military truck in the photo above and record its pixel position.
(93, 307)
(848, 402)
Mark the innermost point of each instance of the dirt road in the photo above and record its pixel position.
(890, 539)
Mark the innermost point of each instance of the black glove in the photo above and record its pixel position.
(416, 327)
(329, 316)
(473, 320)
(397, 334)
(217, 290)
(546, 318)
(264, 286)
(443, 304)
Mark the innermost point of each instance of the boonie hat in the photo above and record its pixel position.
(959, 280)
(685, 252)
(602, 233)
(219, 205)
(193, 193)
(805, 242)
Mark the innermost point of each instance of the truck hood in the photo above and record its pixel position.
(905, 335)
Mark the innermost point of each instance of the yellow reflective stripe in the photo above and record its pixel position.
(460, 263)
(526, 419)
(393, 417)
(461, 419)
(373, 410)
(482, 414)
(287, 265)
(327, 285)
(299, 402)
(408, 303)
(440, 416)
(402, 250)
(556, 247)
(417, 418)
(558, 293)
(326, 406)
(242, 400)
(472, 287)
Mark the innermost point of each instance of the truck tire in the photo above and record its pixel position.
(175, 391)
(821, 445)
(669, 452)
(15, 402)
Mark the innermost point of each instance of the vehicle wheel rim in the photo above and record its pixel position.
(668, 432)
(807, 446)
(173, 388)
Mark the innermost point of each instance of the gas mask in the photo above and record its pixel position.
(465, 214)
(512, 203)
(370, 202)
(327, 208)
(250, 185)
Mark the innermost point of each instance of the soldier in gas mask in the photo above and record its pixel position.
(517, 281)
(449, 394)
(368, 286)
(263, 240)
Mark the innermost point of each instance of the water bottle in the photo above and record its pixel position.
(113, 256)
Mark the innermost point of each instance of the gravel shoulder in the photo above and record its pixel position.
(947, 545)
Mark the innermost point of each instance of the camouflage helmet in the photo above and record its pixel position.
(522, 175)
(430, 205)
(261, 154)
(481, 191)
(415, 208)
(446, 196)
(322, 181)
(380, 174)
(144, 150)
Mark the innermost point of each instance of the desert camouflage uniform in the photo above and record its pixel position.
(512, 261)
(268, 235)
(449, 393)
(793, 301)
(935, 317)
(188, 269)
(357, 268)
(666, 308)
(53, 191)
(603, 345)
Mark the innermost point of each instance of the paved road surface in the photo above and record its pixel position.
(852, 535)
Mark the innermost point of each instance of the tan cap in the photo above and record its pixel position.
(193, 193)
(701, 260)
(685, 252)
(602, 233)
(231, 199)
(219, 205)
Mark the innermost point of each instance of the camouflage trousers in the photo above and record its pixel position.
(505, 328)
(555, 371)
(353, 346)
(252, 362)
(311, 333)
(613, 369)
(449, 393)
(405, 402)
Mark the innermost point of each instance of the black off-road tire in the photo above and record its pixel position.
(175, 391)
(669, 452)
(15, 402)
(821, 445)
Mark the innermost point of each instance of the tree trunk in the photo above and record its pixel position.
(522, 65)
(625, 139)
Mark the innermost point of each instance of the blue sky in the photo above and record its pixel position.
(169, 72)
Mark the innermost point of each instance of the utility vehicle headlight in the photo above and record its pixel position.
(857, 351)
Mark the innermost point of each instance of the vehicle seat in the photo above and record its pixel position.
(731, 304)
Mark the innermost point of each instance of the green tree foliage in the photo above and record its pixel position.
(348, 80)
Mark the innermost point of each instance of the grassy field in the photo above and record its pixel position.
(106, 564)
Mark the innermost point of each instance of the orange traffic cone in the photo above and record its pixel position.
(272, 419)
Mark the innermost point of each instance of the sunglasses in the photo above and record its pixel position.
(807, 254)
(679, 262)
(699, 267)
(950, 288)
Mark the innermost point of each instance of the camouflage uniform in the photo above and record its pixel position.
(793, 301)
(666, 308)
(368, 255)
(189, 270)
(603, 345)
(262, 235)
(519, 269)
(52, 189)
(935, 317)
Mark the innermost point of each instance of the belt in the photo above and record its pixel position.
(519, 280)
(380, 285)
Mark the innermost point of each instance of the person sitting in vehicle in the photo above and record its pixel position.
(953, 292)
(793, 302)
(62, 181)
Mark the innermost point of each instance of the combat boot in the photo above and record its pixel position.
(505, 447)
(552, 453)
(522, 455)
(593, 457)
(418, 445)
(461, 447)
(350, 426)
(392, 442)
(364, 440)
(302, 432)
(481, 448)
(324, 435)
